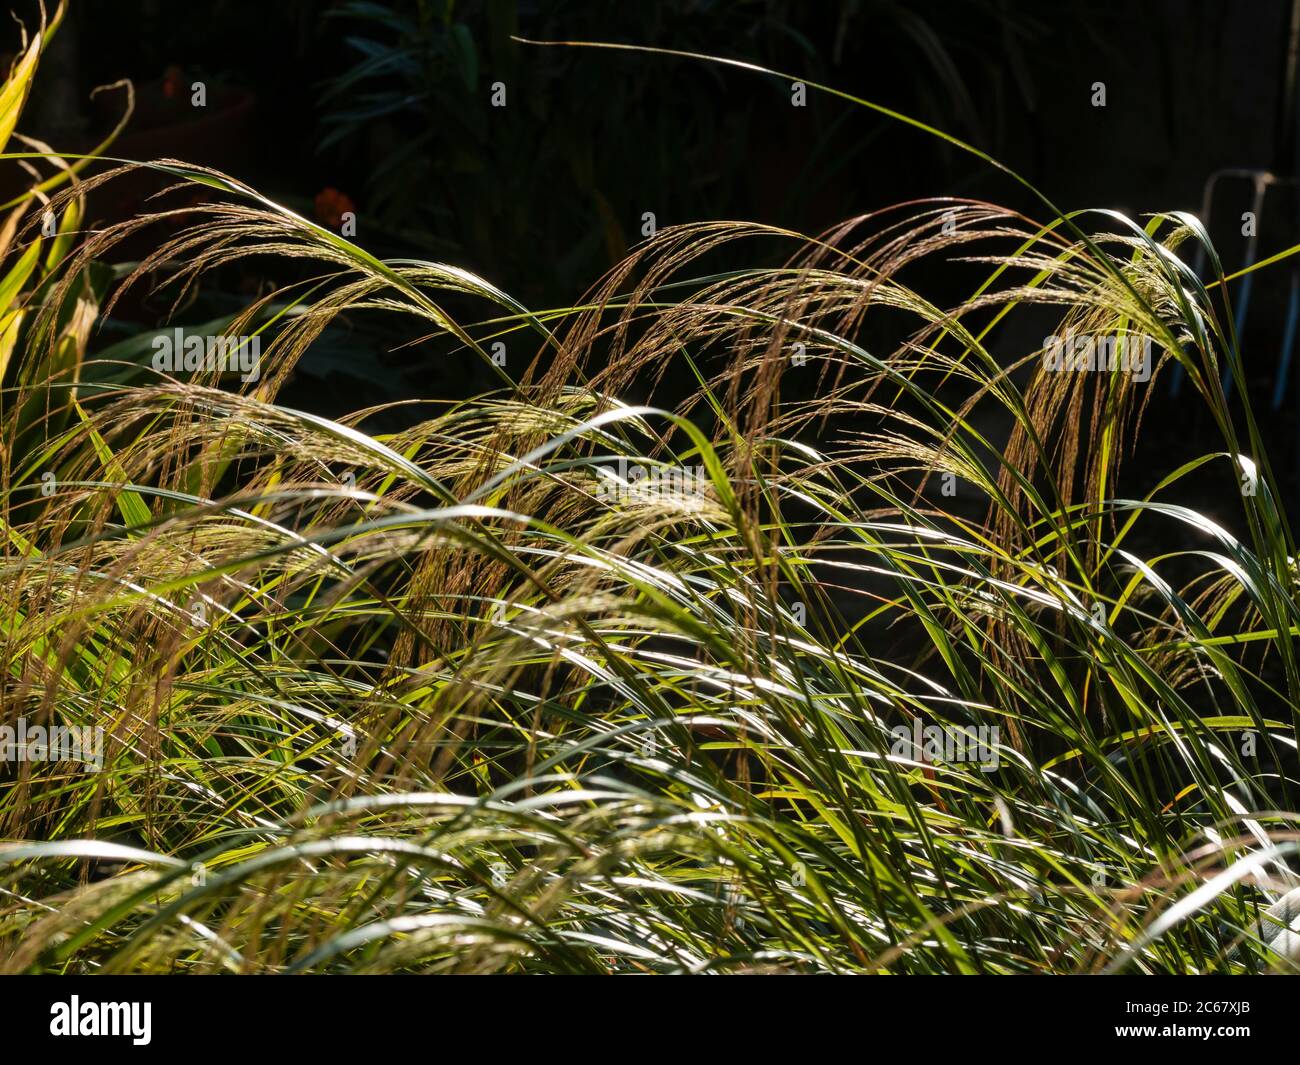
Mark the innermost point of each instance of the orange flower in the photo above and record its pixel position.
(173, 82)
(331, 205)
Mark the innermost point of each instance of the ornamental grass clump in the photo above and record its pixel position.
(878, 664)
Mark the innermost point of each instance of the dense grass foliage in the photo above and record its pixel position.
(554, 681)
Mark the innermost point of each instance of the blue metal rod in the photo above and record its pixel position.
(1288, 341)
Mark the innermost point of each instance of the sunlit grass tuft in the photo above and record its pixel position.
(553, 681)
